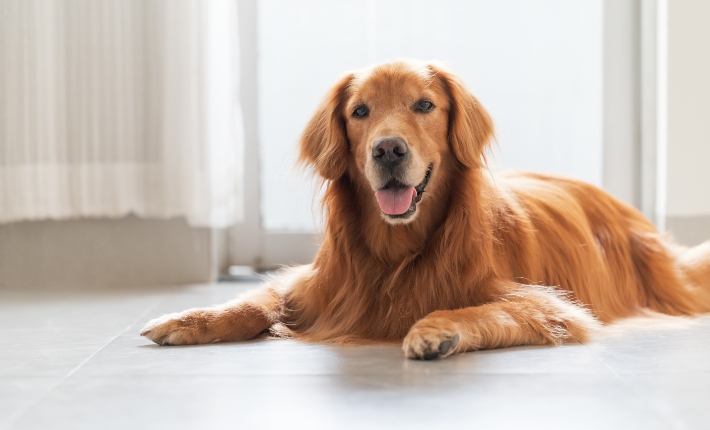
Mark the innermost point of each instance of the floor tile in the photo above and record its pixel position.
(683, 398)
(75, 360)
(343, 402)
(657, 347)
(17, 394)
(48, 335)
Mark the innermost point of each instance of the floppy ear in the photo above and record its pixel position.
(470, 125)
(324, 143)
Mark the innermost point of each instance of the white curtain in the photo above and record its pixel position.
(113, 107)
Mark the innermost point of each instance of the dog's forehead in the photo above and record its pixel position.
(402, 79)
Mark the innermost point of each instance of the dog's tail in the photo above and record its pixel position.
(695, 267)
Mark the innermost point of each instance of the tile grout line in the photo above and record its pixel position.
(14, 418)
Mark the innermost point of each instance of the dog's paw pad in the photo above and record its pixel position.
(429, 341)
(445, 346)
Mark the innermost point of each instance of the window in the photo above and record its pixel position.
(537, 66)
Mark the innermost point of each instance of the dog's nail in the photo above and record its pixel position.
(430, 355)
(444, 347)
(455, 340)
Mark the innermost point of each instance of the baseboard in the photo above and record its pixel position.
(689, 231)
(124, 252)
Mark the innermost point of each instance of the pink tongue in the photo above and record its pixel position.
(395, 201)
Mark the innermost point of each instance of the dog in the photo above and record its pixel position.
(422, 245)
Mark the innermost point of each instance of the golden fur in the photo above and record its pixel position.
(483, 262)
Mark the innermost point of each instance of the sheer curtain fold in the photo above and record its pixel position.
(112, 107)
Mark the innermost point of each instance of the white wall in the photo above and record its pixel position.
(688, 109)
(99, 253)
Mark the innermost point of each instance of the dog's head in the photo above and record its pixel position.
(395, 127)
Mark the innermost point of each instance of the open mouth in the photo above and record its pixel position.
(398, 200)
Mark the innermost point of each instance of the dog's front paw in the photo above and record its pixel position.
(431, 338)
(183, 328)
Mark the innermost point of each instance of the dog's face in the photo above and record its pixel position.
(397, 130)
(395, 127)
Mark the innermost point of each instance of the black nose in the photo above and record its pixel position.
(389, 151)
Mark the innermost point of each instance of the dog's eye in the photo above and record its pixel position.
(423, 106)
(361, 112)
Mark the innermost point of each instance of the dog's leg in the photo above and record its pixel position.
(528, 315)
(241, 319)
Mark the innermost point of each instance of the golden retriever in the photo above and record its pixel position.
(423, 245)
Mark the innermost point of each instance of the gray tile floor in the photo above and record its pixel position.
(74, 360)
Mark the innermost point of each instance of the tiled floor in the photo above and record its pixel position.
(74, 360)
